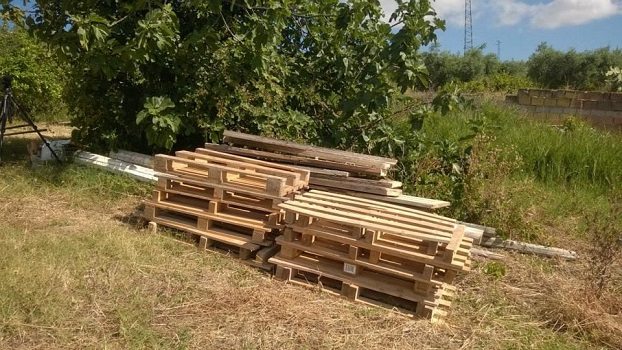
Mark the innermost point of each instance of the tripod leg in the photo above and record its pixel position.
(34, 127)
(3, 118)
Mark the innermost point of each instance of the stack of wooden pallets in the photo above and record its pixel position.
(331, 170)
(373, 252)
(226, 201)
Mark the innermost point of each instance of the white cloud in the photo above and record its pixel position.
(547, 14)
(450, 10)
(556, 13)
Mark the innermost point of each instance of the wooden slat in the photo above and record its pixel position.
(218, 234)
(315, 172)
(359, 186)
(425, 225)
(404, 200)
(249, 220)
(384, 183)
(292, 178)
(385, 284)
(297, 149)
(381, 206)
(364, 221)
(291, 159)
(304, 173)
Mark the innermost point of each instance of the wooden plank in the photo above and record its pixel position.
(380, 205)
(365, 221)
(133, 158)
(358, 186)
(291, 159)
(116, 166)
(304, 173)
(405, 200)
(315, 172)
(529, 248)
(407, 219)
(221, 235)
(236, 217)
(454, 244)
(270, 144)
(384, 183)
(209, 193)
(291, 178)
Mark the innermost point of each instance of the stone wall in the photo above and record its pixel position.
(598, 108)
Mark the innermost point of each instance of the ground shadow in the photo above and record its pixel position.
(133, 219)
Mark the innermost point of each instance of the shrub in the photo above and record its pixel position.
(38, 80)
(320, 70)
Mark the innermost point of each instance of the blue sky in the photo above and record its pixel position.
(523, 24)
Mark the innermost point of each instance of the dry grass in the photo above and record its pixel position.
(78, 271)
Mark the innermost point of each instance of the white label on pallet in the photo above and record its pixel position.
(349, 268)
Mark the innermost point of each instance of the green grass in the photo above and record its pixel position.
(576, 155)
(77, 270)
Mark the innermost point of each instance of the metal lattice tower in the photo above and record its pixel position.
(468, 26)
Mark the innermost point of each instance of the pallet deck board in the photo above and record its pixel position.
(364, 221)
(294, 177)
(293, 148)
(383, 189)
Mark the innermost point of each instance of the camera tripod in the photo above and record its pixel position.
(9, 108)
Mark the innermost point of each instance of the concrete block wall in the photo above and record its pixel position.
(598, 108)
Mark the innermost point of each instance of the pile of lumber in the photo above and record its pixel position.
(331, 170)
(373, 252)
(226, 202)
(254, 201)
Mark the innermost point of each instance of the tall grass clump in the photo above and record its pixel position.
(573, 154)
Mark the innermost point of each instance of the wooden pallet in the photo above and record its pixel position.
(390, 255)
(249, 253)
(214, 208)
(356, 259)
(406, 233)
(231, 225)
(226, 194)
(353, 212)
(193, 166)
(368, 288)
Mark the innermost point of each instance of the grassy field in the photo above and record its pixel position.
(79, 270)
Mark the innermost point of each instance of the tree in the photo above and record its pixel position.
(578, 70)
(159, 74)
(37, 78)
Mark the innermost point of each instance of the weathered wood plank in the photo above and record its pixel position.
(292, 159)
(358, 186)
(270, 144)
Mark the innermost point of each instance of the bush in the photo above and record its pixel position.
(324, 71)
(499, 82)
(38, 80)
